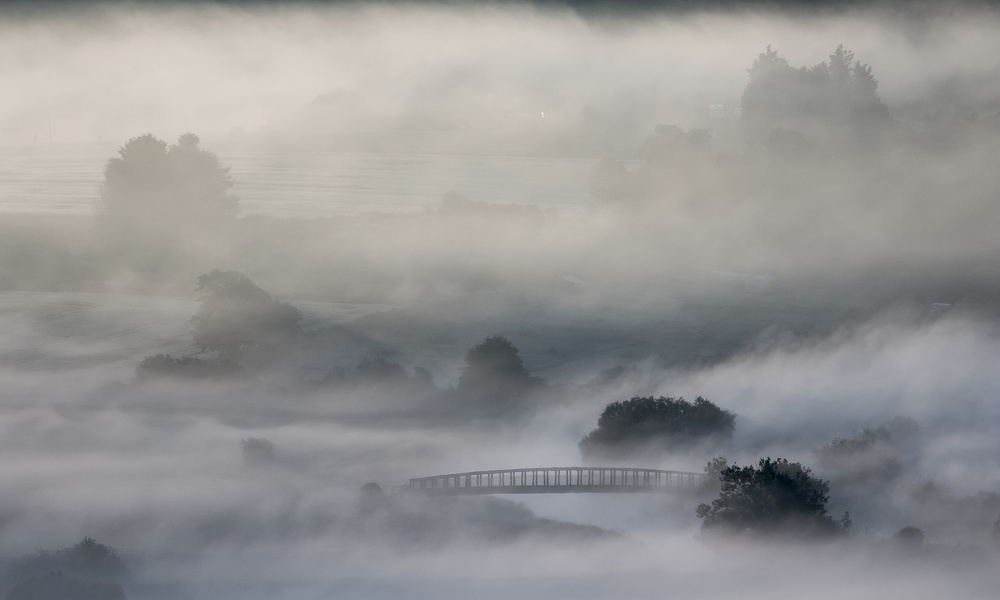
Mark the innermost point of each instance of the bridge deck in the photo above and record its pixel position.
(557, 480)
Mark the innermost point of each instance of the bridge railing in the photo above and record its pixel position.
(557, 479)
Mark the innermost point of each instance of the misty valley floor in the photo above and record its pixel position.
(158, 472)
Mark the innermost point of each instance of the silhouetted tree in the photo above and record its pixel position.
(859, 461)
(910, 538)
(775, 497)
(664, 423)
(713, 469)
(235, 315)
(832, 101)
(151, 182)
(87, 570)
(494, 374)
(153, 194)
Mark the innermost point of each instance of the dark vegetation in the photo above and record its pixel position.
(494, 377)
(773, 498)
(236, 317)
(88, 570)
(236, 321)
(661, 424)
(834, 104)
(160, 203)
(867, 463)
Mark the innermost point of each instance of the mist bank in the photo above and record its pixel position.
(308, 75)
(157, 472)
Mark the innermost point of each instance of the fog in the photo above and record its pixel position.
(256, 256)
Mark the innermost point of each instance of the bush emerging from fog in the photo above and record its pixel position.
(859, 460)
(657, 423)
(234, 316)
(159, 199)
(88, 560)
(713, 470)
(494, 376)
(793, 108)
(911, 538)
(150, 181)
(773, 498)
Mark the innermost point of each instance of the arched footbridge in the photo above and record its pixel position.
(557, 480)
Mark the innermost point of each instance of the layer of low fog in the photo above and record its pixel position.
(158, 473)
(833, 290)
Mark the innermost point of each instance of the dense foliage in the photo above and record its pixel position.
(150, 181)
(833, 101)
(160, 202)
(665, 422)
(494, 377)
(235, 315)
(775, 497)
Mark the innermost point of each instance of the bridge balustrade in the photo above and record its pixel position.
(556, 480)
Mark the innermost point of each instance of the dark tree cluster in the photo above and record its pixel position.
(234, 316)
(88, 570)
(494, 378)
(666, 423)
(161, 200)
(150, 181)
(791, 108)
(861, 461)
(775, 497)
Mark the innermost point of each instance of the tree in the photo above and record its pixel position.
(494, 374)
(832, 101)
(775, 497)
(88, 559)
(235, 315)
(861, 461)
(155, 196)
(85, 571)
(150, 181)
(663, 423)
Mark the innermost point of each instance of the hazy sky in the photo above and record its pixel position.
(120, 69)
